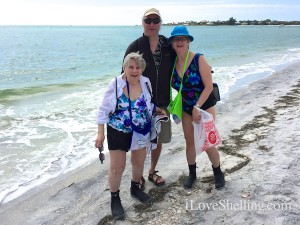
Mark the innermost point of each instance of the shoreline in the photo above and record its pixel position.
(82, 196)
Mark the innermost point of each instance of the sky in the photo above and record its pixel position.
(130, 12)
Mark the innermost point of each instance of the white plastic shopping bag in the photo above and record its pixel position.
(206, 134)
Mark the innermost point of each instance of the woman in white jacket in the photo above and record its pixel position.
(127, 110)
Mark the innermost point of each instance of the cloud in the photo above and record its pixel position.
(93, 13)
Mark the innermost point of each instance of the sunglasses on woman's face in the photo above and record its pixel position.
(177, 39)
(101, 155)
(149, 20)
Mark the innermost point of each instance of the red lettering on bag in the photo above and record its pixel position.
(212, 137)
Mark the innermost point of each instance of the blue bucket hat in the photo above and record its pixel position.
(180, 31)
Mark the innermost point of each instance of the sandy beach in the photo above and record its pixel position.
(261, 147)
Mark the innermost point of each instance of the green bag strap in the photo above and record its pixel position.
(183, 70)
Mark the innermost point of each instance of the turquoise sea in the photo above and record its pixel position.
(52, 79)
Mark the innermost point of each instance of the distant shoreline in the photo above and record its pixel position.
(230, 22)
(139, 25)
(234, 22)
(272, 25)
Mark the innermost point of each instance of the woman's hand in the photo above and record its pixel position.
(196, 114)
(99, 140)
(161, 111)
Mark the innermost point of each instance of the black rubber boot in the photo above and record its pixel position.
(219, 177)
(188, 183)
(117, 210)
(138, 193)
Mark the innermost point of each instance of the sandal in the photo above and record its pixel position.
(155, 181)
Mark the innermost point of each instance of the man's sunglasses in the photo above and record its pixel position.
(101, 154)
(149, 20)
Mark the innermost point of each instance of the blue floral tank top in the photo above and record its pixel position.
(192, 85)
(120, 119)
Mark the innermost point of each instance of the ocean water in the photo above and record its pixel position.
(52, 79)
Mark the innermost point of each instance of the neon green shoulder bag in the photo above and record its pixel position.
(175, 106)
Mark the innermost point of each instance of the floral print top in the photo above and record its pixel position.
(120, 119)
(192, 85)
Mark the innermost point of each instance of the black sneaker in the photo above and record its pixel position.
(117, 210)
(219, 181)
(189, 181)
(219, 177)
(140, 195)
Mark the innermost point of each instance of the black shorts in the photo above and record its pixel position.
(118, 140)
(210, 102)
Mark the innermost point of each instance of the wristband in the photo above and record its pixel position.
(197, 106)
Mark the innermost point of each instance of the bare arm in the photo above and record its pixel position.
(205, 72)
(100, 137)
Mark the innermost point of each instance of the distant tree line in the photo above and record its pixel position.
(233, 22)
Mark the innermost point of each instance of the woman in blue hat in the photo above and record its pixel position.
(197, 86)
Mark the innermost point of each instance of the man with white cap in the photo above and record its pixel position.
(156, 52)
